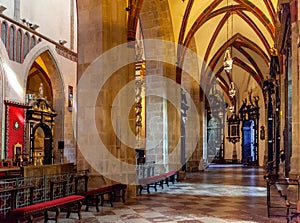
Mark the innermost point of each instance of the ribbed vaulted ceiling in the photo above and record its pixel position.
(210, 27)
(246, 27)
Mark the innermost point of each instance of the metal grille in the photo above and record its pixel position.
(41, 190)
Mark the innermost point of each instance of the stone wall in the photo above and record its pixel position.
(98, 36)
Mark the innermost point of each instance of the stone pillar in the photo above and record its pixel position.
(155, 109)
(102, 28)
(162, 127)
(204, 134)
(295, 159)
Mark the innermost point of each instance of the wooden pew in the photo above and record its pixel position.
(152, 181)
(54, 204)
(30, 211)
(93, 197)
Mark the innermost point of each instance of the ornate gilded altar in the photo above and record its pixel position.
(40, 122)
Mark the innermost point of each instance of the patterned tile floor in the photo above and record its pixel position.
(217, 195)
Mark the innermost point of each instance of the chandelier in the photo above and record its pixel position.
(231, 109)
(232, 90)
(228, 61)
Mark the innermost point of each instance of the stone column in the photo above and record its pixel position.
(102, 33)
(203, 136)
(295, 159)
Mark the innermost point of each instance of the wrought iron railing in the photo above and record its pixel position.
(41, 190)
(145, 169)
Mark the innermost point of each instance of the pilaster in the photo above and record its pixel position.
(295, 159)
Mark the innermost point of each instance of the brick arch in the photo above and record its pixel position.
(221, 24)
(4, 24)
(204, 17)
(237, 41)
(271, 10)
(259, 14)
(157, 23)
(212, 41)
(139, 10)
(224, 84)
(256, 71)
(208, 14)
(233, 42)
(57, 85)
(12, 45)
(184, 21)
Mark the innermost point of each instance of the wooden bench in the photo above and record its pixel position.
(54, 204)
(171, 176)
(93, 197)
(153, 181)
(42, 208)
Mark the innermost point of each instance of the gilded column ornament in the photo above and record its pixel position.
(139, 82)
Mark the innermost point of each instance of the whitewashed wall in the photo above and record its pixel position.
(56, 18)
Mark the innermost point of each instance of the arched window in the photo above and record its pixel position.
(4, 34)
(26, 44)
(19, 46)
(12, 43)
(33, 42)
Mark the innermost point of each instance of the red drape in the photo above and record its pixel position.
(15, 128)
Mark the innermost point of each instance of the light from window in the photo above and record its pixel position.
(4, 33)
(19, 46)
(33, 42)
(12, 46)
(26, 44)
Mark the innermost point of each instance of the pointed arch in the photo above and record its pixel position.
(251, 45)
(185, 21)
(44, 53)
(271, 10)
(202, 19)
(12, 42)
(4, 33)
(257, 74)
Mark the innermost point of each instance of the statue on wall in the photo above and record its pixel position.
(274, 63)
(41, 90)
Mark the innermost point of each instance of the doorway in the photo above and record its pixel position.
(248, 142)
(42, 142)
